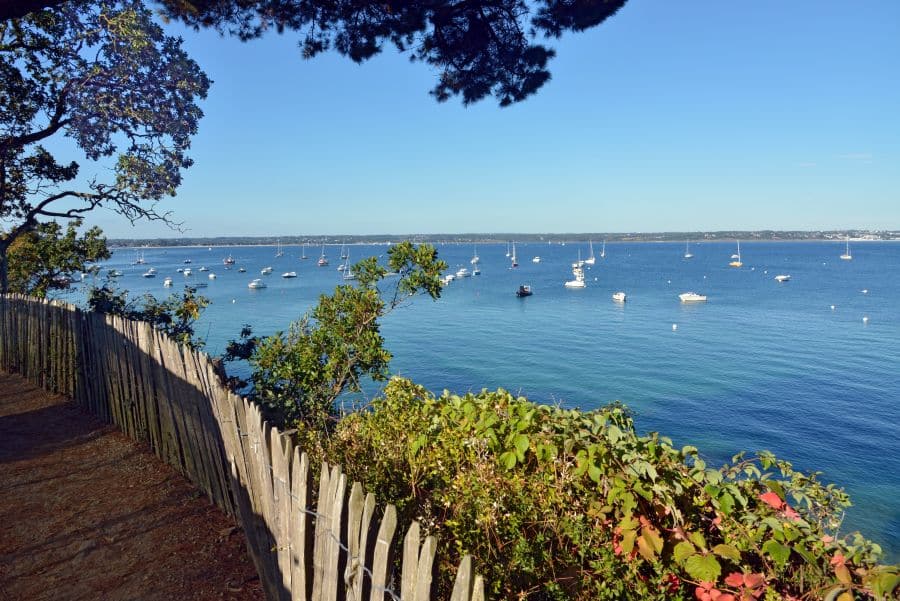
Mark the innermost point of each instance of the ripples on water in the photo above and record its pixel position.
(762, 365)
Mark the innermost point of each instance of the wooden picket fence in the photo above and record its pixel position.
(173, 399)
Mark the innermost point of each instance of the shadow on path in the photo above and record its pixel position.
(86, 513)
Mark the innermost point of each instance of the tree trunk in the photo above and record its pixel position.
(4, 267)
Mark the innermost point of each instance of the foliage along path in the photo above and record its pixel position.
(86, 513)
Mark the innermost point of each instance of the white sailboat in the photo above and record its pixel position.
(579, 262)
(344, 253)
(507, 248)
(323, 261)
(591, 259)
(687, 250)
(603, 250)
(348, 270)
(847, 256)
(279, 251)
(515, 262)
(303, 253)
(475, 258)
(737, 257)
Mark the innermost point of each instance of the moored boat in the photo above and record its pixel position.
(524, 290)
(692, 297)
(578, 282)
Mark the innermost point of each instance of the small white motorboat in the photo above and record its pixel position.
(203, 269)
(242, 270)
(167, 282)
(782, 278)
(289, 274)
(256, 284)
(212, 276)
(619, 297)
(187, 271)
(536, 260)
(266, 270)
(149, 274)
(692, 297)
(578, 282)
(462, 272)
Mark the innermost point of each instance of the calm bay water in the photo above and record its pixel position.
(762, 365)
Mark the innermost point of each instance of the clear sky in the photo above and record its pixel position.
(689, 115)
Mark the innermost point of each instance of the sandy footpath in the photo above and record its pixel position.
(87, 514)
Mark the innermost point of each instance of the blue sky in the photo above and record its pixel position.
(699, 115)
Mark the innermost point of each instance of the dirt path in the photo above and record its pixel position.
(87, 514)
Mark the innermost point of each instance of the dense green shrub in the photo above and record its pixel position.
(566, 504)
(298, 375)
(175, 316)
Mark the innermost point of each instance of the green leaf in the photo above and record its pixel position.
(885, 584)
(778, 552)
(833, 594)
(682, 551)
(628, 537)
(775, 487)
(809, 557)
(654, 541)
(728, 552)
(521, 443)
(703, 567)
(726, 503)
(418, 443)
(646, 549)
(508, 460)
(697, 539)
(595, 473)
(614, 434)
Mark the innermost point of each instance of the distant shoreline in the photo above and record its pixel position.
(616, 238)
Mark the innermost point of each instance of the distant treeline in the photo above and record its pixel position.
(506, 237)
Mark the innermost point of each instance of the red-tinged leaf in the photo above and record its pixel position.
(838, 559)
(754, 580)
(734, 579)
(772, 500)
(725, 597)
(790, 514)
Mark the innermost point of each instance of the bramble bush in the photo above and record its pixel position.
(568, 504)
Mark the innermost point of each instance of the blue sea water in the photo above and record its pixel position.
(761, 365)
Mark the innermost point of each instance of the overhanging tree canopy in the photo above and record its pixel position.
(480, 48)
(105, 76)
